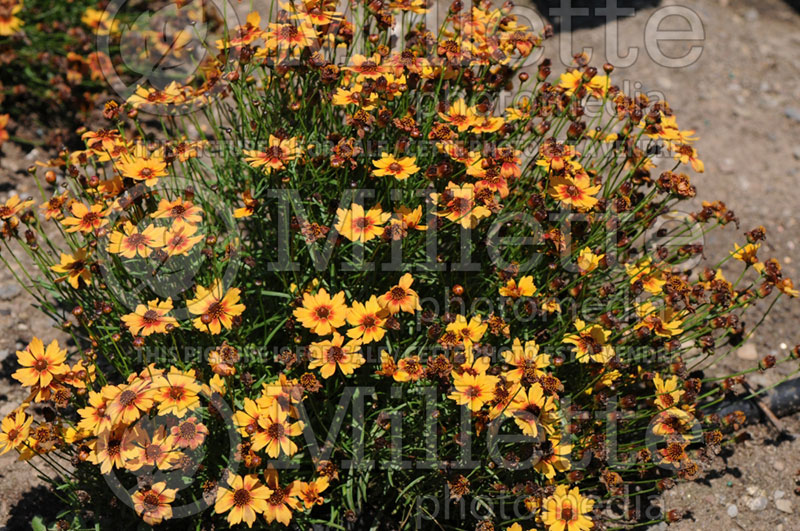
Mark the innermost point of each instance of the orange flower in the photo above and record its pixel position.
(85, 219)
(75, 266)
(321, 313)
(150, 319)
(40, 366)
(525, 288)
(283, 499)
(152, 504)
(180, 239)
(126, 403)
(189, 433)
(278, 153)
(331, 353)
(574, 190)
(108, 449)
(94, 417)
(13, 206)
(141, 449)
(527, 361)
(459, 205)
(401, 297)
(249, 207)
(357, 225)
(310, 492)
(131, 242)
(176, 392)
(14, 430)
(245, 498)
(215, 309)
(401, 169)
(143, 168)
(367, 321)
(409, 369)
(473, 390)
(367, 68)
(277, 430)
(178, 210)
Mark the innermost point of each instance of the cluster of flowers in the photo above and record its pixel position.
(541, 370)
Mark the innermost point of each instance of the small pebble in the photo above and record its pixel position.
(733, 511)
(778, 494)
(784, 505)
(778, 465)
(758, 504)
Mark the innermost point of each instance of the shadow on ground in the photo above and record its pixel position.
(39, 501)
(589, 13)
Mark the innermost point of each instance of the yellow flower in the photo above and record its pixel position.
(85, 219)
(277, 430)
(215, 309)
(39, 365)
(367, 320)
(143, 168)
(590, 343)
(14, 430)
(473, 390)
(528, 408)
(152, 504)
(243, 499)
(130, 241)
(277, 154)
(460, 115)
(333, 353)
(664, 323)
(527, 361)
(401, 297)
(566, 510)
(746, 254)
(357, 225)
(400, 169)
(468, 332)
(575, 190)
(525, 288)
(75, 266)
(150, 319)
(588, 261)
(321, 313)
(459, 205)
(648, 275)
(667, 392)
(571, 81)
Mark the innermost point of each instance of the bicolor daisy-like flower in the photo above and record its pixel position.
(94, 417)
(367, 67)
(399, 168)
(574, 190)
(686, 154)
(108, 449)
(571, 81)
(244, 34)
(178, 210)
(473, 390)
(247, 421)
(14, 430)
(529, 407)
(130, 241)
(9, 22)
(354, 96)
(310, 492)
(663, 323)
(278, 153)
(189, 433)
(588, 261)
(75, 267)
(553, 457)
(143, 449)
(180, 238)
(249, 207)
(367, 320)
(52, 208)
(556, 156)
(150, 319)
(13, 206)
(746, 254)
(176, 392)
(39, 365)
(243, 499)
(283, 500)
(321, 313)
(409, 369)
(290, 37)
(526, 360)
(153, 504)
(143, 168)
(276, 430)
(650, 277)
(566, 510)
(460, 115)
(215, 308)
(127, 402)
(590, 343)
(667, 392)
(525, 288)
(334, 353)
(85, 219)
(458, 203)
(357, 225)
(401, 297)
(467, 332)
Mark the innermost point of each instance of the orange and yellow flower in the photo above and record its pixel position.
(153, 504)
(367, 320)
(401, 297)
(566, 510)
(243, 499)
(399, 168)
(322, 314)
(39, 365)
(130, 241)
(334, 353)
(215, 308)
(76, 268)
(150, 319)
(357, 225)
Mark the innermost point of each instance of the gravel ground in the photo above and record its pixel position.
(743, 98)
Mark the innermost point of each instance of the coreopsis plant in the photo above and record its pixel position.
(385, 275)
